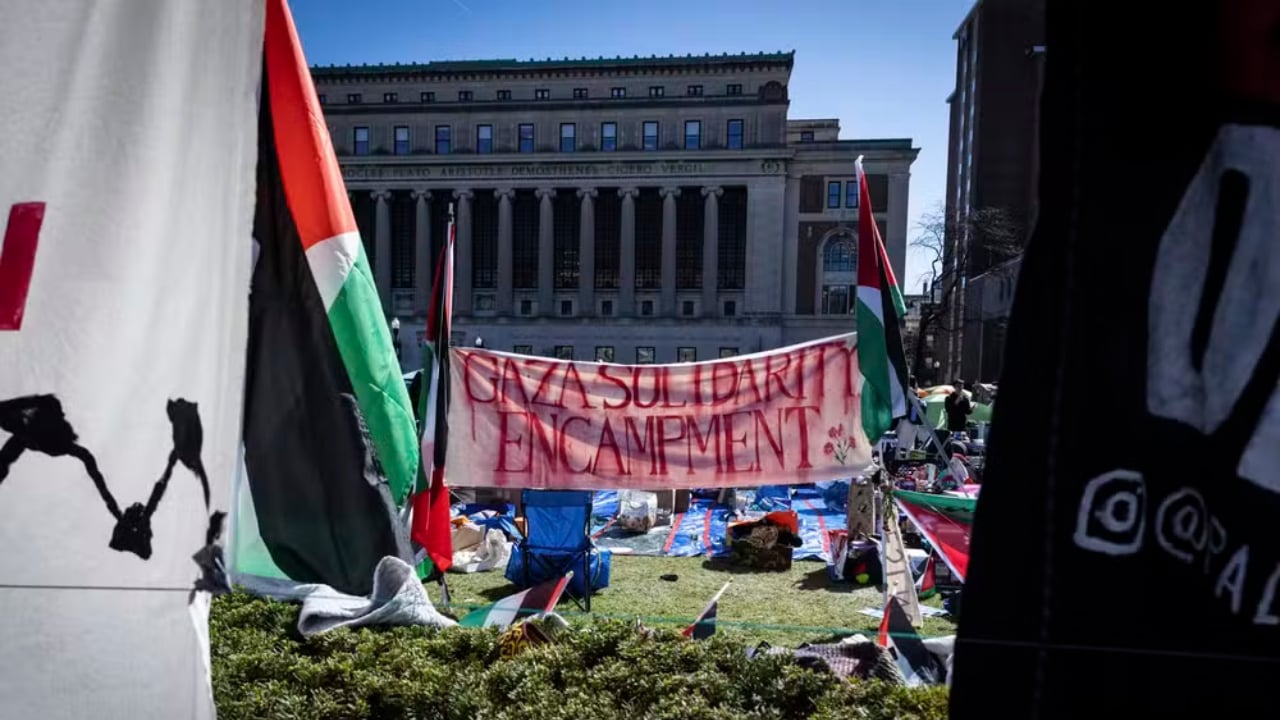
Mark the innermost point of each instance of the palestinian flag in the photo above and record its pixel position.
(330, 443)
(897, 634)
(431, 528)
(536, 600)
(926, 584)
(945, 521)
(705, 625)
(880, 308)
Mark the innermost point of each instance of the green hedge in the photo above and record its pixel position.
(263, 670)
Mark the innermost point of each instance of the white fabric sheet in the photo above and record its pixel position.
(135, 123)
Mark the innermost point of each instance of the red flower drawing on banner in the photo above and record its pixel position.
(840, 449)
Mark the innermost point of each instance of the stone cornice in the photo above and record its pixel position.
(467, 70)
(815, 152)
(509, 170)
(412, 107)
(536, 169)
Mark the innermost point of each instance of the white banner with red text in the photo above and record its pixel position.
(784, 416)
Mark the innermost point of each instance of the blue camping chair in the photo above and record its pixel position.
(558, 540)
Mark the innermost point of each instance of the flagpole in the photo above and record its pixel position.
(429, 517)
(933, 432)
(448, 315)
(716, 598)
(701, 620)
(450, 231)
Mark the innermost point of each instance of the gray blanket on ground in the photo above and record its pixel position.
(398, 598)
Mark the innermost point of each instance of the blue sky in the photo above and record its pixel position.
(884, 67)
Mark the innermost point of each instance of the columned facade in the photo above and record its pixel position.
(462, 253)
(587, 250)
(423, 277)
(637, 239)
(710, 248)
(669, 195)
(627, 261)
(382, 248)
(790, 245)
(546, 258)
(505, 241)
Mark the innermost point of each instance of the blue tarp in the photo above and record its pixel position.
(690, 536)
(815, 519)
(772, 497)
(604, 504)
(835, 494)
(482, 514)
(720, 528)
(701, 530)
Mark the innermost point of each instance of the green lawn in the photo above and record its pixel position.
(783, 608)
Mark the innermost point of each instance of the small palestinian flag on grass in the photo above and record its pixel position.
(705, 626)
(925, 587)
(430, 526)
(537, 599)
(913, 657)
(881, 359)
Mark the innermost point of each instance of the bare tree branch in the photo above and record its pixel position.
(984, 239)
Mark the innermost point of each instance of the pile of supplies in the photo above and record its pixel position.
(765, 543)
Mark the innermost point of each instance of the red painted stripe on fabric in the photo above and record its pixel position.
(308, 167)
(868, 238)
(557, 592)
(882, 637)
(671, 537)
(822, 529)
(18, 261)
(706, 532)
(604, 529)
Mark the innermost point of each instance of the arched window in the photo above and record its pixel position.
(838, 255)
(839, 281)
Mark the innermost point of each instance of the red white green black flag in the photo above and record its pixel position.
(881, 359)
(430, 525)
(705, 624)
(534, 601)
(330, 444)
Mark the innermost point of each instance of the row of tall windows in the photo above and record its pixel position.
(526, 138)
(566, 226)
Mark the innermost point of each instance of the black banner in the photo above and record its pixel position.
(1126, 547)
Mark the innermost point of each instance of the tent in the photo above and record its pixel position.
(935, 411)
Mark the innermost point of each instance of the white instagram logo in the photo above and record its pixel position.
(1112, 513)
